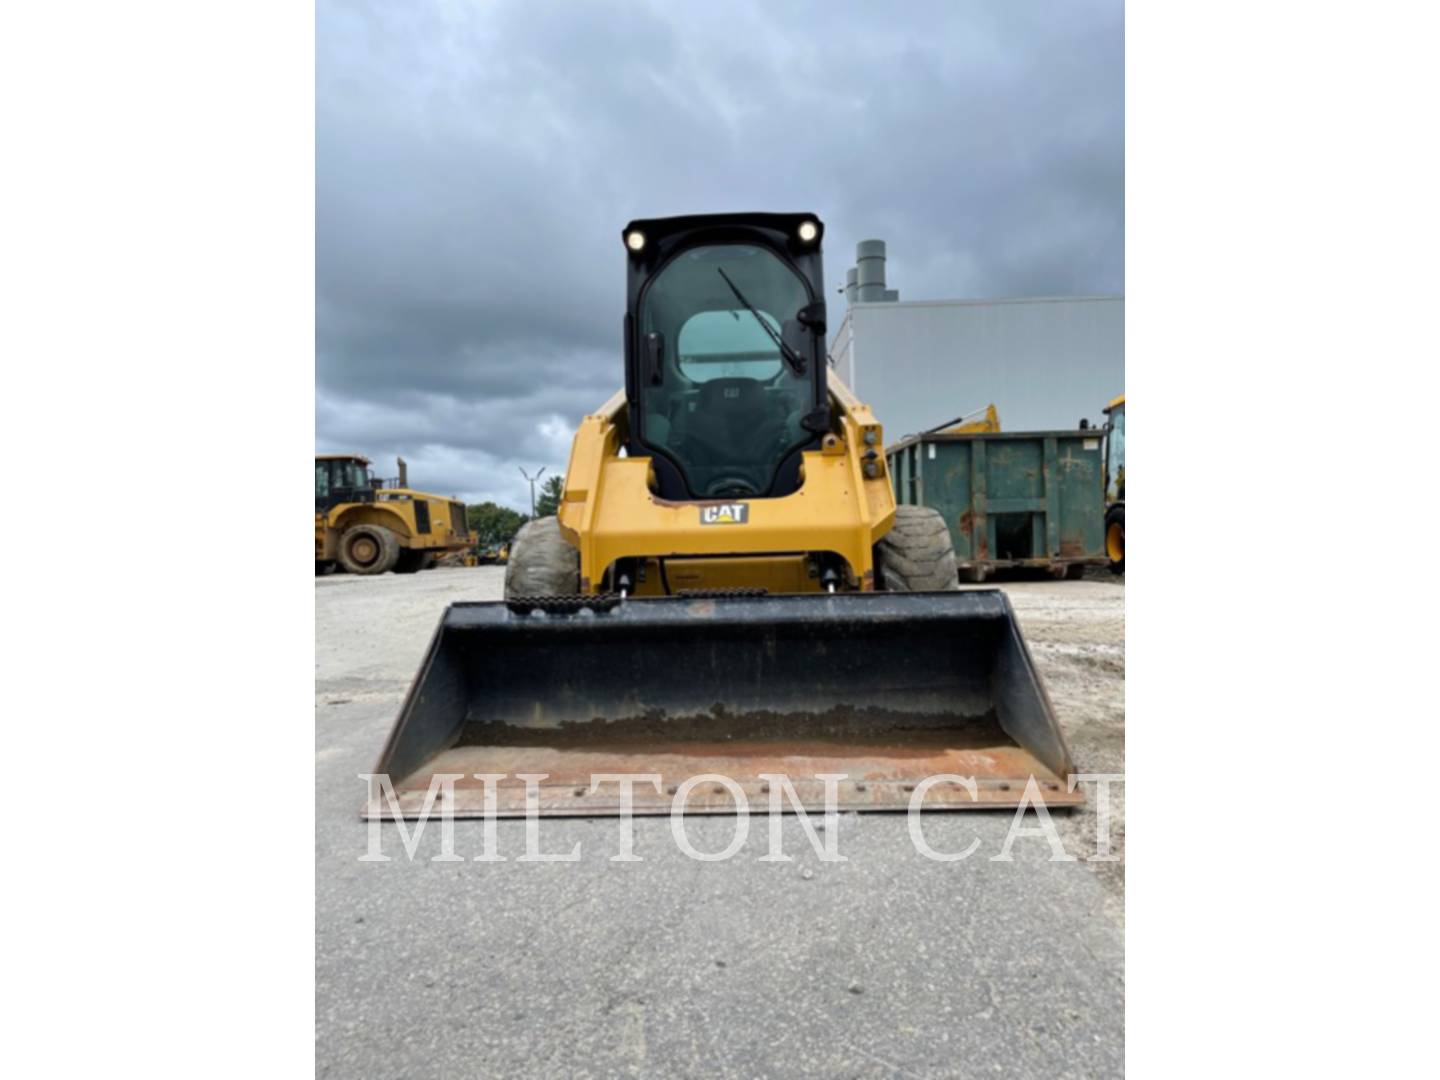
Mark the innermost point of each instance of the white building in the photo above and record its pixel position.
(1044, 363)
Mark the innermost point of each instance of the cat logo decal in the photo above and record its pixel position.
(725, 514)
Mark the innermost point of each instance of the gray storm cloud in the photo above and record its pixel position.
(476, 162)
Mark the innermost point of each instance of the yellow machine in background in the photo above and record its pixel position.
(368, 526)
(1115, 484)
(987, 424)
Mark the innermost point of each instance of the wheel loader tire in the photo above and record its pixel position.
(1115, 537)
(429, 561)
(916, 555)
(410, 561)
(323, 567)
(369, 549)
(541, 562)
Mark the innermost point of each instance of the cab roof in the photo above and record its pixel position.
(343, 457)
(659, 228)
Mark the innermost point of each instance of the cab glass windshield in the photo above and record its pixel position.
(728, 406)
(351, 474)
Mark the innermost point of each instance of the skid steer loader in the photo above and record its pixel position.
(729, 589)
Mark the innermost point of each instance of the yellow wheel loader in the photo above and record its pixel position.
(1115, 484)
(368, 525)
(728, 590)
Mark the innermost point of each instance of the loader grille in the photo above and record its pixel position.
(422, 516)
(457, 519)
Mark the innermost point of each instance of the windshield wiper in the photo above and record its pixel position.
(794, 359)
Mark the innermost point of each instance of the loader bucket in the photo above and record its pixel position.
(884, 688)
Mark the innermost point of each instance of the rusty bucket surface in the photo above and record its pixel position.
(885, 688)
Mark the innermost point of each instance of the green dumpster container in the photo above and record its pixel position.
(1012, 499)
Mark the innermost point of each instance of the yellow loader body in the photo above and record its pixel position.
(444, 528)
(609, 512)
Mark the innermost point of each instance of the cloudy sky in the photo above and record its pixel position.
(475, 162)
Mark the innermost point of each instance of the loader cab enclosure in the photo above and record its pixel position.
(725, 352)
(340, 479)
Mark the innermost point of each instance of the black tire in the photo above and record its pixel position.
(410, 561)
(369, 549)
(323, 567)
(916, 555)
(541, 562)
(1115, 537)
(1075, 571)
(429, 561)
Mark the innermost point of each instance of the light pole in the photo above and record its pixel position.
(532, 480)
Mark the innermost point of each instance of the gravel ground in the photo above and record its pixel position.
(1076, 633)
(885, 965)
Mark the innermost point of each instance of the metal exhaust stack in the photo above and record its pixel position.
(886, 688)
(870, 264)
(870, 274)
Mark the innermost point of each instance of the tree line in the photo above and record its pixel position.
(495, 525)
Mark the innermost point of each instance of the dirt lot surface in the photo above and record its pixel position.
(885, 965)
